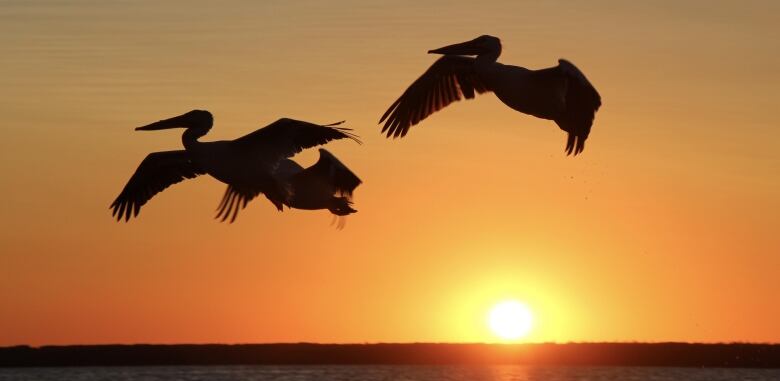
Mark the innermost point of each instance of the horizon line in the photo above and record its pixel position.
(367, 343)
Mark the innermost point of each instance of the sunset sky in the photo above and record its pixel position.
(664, 229)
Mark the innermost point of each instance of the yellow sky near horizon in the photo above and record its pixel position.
(664, 229)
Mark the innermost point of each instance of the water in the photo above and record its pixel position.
(387, 373)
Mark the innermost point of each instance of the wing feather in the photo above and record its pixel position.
(286, 137)
(331, 173)
(449, 79)
(235, 199)
(157, 171)
(582, 102)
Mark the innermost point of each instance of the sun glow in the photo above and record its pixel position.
(510, 320)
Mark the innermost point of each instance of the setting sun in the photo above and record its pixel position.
(510, 320)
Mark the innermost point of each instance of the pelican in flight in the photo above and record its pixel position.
(328, 184)
(560, 93)
(252, 164)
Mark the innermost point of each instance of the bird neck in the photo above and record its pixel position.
(191, 136)
(490, 56)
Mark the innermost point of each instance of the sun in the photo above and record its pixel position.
(510, 320)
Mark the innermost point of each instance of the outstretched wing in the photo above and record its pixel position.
(582, 102)
(449, 79)
(157, 171)
(286, 137)
(329, 170)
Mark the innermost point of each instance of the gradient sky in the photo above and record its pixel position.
(665, 228)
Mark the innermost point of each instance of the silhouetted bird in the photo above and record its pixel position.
(560, 93)
(250, 165)
(328, 184)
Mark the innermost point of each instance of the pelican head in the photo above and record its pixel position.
(484, 44)
(196, 119)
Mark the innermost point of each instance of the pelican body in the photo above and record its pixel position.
(560, 93)
(257, 163)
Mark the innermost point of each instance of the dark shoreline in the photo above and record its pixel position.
(574, 354)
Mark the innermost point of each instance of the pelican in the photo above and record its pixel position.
(328, 184)
(560, 93)
(252, 164)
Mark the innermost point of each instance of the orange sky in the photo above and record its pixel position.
(665, 228)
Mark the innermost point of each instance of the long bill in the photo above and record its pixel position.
(178, 121)
(468, 48)
(194, 118)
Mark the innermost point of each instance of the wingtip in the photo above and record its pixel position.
(574, 145)
(335, 124)
(349, 134)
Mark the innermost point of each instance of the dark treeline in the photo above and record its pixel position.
(604, 354)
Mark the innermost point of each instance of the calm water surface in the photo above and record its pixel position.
(387, 373)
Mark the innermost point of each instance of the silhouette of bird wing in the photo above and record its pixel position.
(235, 199)
(286, 137)
(328, 170)
(157, 171)
(582, 102)
(286, 169)
(449, 79)
(275, 142)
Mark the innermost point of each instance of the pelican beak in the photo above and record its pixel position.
(468, 48)
(184, 120)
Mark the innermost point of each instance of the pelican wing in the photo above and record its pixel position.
(449, 79)
(328, 170)
(157, 171)
(235, 199)
(286, 169)
(286, 137)
(582, 102)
